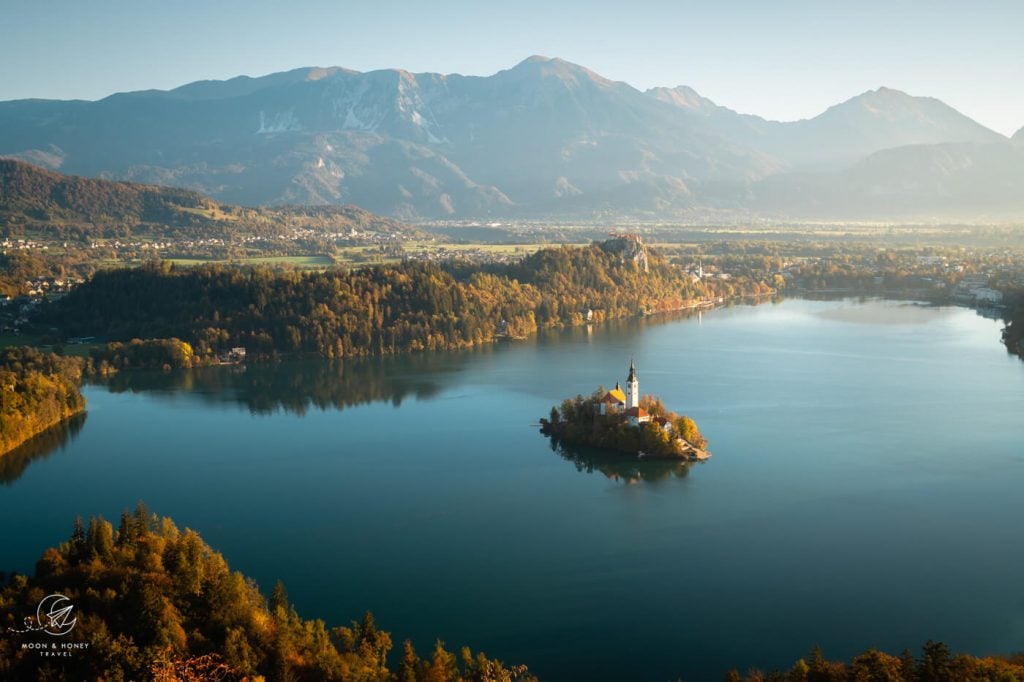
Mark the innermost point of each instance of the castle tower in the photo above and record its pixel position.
(632, 387)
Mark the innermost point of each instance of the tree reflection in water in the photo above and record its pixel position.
(299, 385)
(620, 467)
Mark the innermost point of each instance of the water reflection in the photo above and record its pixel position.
(14, 463)
(297, 386)
(621, 468)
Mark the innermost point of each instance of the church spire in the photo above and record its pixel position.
(632, 387)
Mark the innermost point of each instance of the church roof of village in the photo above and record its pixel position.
(636, 412)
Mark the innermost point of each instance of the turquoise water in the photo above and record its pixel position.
(865, 489)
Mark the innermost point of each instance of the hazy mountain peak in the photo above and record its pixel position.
(883, 91)
(555, 68)
(883, 96)
(315, 73)
(1018, 137)
(888, 117)
(539, 59)
(891, 102)
(684, 97)
(239, 86)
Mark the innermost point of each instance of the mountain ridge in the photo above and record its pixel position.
(544, 137)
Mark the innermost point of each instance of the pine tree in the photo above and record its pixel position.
(100, 538)
(935, 662)
(411, 668)
(78, 543)
(126, 529)
(816, 664)
(279, 597)
(908, 666)
(442, 667)
(142, 518)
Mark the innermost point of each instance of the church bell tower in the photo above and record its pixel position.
(632, 387)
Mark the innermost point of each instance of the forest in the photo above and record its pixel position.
(37, 391)
(379, 310)
(142, 354)
(935, 663)
(156, 602)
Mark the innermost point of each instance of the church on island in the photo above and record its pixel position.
(621, 420)
(629, 402)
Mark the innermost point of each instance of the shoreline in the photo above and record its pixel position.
(27, 440)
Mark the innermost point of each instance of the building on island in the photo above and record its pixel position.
(628, 401)
(637, 416)
(613, 400)
(614, 419)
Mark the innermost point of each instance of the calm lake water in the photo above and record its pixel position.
(865, 489)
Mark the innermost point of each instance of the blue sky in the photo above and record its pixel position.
(777, 58)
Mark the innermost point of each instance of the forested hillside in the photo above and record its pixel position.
(43, 195)
(379, 310)
(37, 391)
(33, 200)
(156, 602)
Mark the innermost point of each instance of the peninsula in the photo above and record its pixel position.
(623, 421)
(37, 391)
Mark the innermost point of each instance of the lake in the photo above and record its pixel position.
(865, 489)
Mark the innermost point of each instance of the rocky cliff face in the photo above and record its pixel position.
(628, 248)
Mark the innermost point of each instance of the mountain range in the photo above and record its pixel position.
(546, 138)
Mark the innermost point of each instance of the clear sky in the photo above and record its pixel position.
(780, 59)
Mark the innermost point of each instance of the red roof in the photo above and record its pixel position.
(636, 412)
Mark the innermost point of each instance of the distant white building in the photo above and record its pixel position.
(987, 295)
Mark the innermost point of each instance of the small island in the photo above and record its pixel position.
(625, 422)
